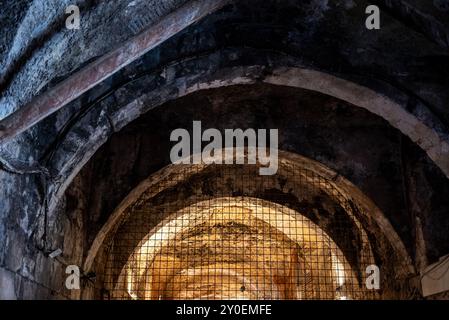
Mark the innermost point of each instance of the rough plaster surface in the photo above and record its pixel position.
(328, 36)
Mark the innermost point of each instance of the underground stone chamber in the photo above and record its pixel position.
(149, 229)
(363, 151)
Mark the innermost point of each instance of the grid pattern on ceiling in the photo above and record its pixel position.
(212, 236)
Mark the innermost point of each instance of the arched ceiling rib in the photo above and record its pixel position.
(137, 211)
(71, 88)
(273, 237)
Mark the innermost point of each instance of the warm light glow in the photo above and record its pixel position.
(235, 248)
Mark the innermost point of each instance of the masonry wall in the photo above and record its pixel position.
(384, 164)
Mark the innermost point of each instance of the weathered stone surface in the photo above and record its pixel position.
(93, 145)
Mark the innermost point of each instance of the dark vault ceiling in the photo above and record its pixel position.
(370, 106)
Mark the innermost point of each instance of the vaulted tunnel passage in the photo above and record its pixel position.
(221, 231)
(235, 248)
(86, 178)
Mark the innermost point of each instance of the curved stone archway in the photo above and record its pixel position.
(369, 105)
(173, 189)
(420, 125)
(324, 268)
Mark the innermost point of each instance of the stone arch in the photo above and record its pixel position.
(77, 150)
(419, 125)
(364, 214)
(316, 245)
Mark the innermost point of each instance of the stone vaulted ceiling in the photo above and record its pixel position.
(84, 108)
